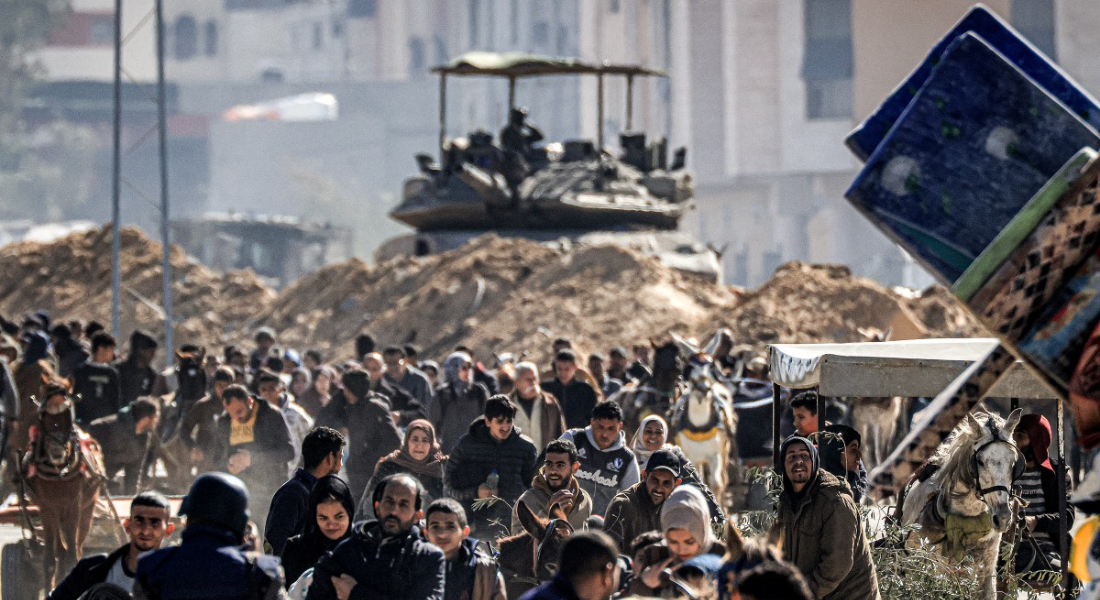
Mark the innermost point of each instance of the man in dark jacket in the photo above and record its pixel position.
(209, 563)
(71, 353)
(9, 395)
(128, 439)
(403, 405)
(253, 443)
(820, 528)
(370, 428)
(96, 382)
(576, 397)
(492, 460)
(458, 401)
(147, 527)
(322, 455)
(136, 376)
(198, 428)
(384, 559)
(638, 509)
(587, 569)
(406, 376)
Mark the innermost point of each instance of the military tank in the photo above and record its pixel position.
(575, 191)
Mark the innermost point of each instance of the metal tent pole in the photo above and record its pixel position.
(165, 235)
(777, 411)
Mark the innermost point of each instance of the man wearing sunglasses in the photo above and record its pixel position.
(555, 484)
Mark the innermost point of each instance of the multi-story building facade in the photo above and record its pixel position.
(762, 92)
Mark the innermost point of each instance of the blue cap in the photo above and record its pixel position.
(292, 356)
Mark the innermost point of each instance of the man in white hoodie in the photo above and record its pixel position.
(607, 465)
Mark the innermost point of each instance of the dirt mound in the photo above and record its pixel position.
(71, 278)
(496, 294)
(805, 303)
(942, 313)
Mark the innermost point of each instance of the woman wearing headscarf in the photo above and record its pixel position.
(458, 402)
(419, 456)
(687, 533)
(300, 382)
(652, 435)
(318, 398)
(330, 508)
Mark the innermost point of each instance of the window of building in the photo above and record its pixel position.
(417, 56)
(614, 8)
(318, 35)
(441, 54)
(1035, 19)
(540, 33)
(772, 261)
(211, 38)
(514, 14)
(475, 16)
(363, 8)
(563, 40)
(827, 63)
(101, 30)
(186, 39)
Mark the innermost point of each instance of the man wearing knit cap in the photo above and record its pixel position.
(820, 528)
(638, 509)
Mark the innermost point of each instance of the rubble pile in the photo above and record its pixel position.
(497, 294)
(494, 294)
(944, 315)
(71, 278)
(805, 303)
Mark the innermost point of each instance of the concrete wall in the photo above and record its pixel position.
(892, 36)
(1077, 42)
(96, 61)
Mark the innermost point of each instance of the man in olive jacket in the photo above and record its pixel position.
(637, 509)
(820, 528)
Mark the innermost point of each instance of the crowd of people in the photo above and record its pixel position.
(392, 476)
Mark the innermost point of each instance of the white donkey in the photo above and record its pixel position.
(965, 506)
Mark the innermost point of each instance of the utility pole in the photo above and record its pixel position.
(119, 179)
(162, 127)
(116, 163)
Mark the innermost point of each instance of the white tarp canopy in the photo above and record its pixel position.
(913, 368)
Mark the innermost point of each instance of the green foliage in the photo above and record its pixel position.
(906, 573)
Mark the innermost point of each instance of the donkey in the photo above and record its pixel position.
(962, 499)
(655, 395)
(876, 419)
(704, 424)
(531, 557)
(64, 470)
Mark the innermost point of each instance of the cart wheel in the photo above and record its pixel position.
(19, 577)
